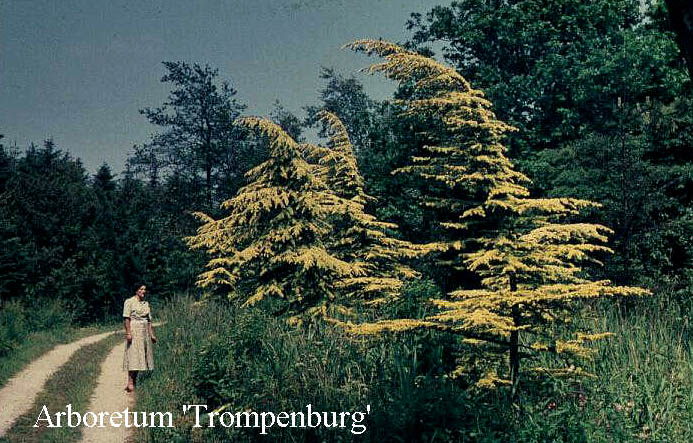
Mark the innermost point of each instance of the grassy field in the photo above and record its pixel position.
(71, 384)
(220, 355)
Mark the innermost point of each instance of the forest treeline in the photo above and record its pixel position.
(599, 93)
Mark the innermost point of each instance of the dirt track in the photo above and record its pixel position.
(109, 396)
(19, 394)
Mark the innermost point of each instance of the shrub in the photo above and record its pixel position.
(13, 326)
(17, 321)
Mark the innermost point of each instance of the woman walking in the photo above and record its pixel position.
(139, 334)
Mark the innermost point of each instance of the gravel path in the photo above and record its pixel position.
(109, 396)
(19, 394)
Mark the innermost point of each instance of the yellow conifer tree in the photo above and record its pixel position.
(272, 244)
(358, 237)
(465, 156)
(529, 256)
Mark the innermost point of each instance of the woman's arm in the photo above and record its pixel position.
(128, 336)
(151, 332)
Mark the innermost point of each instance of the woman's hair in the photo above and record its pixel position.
(138, 286)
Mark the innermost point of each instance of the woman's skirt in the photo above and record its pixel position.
(139, 354)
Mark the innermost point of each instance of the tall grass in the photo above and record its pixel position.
(26, 332)
(18, 321)
(218, 354)
(644, 390)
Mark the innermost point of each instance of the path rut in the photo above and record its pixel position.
(109, 396)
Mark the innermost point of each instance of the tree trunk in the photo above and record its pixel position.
(208, 173)
(515, 345)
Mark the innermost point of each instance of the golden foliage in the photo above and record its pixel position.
(530, 260)
(357, 236)
(272, 245)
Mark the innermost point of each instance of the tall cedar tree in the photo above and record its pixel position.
(272, 245)
(464, 157)
(528, 256)
(358, 237)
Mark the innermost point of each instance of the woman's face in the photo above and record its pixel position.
(141, 292)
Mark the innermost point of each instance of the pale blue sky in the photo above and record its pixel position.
(79, 70)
